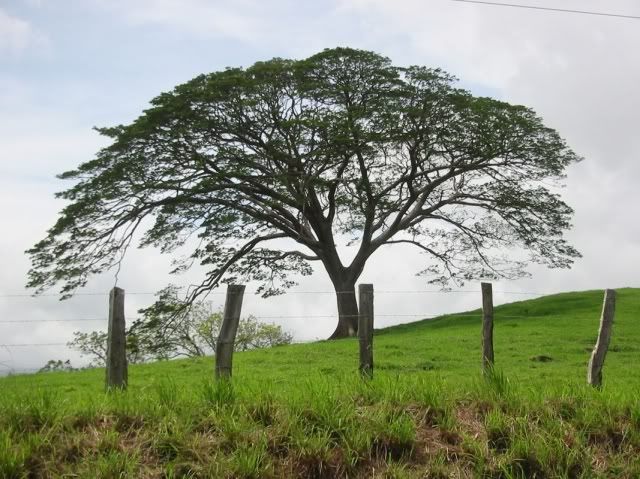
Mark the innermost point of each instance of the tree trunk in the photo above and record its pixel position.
(347, 311)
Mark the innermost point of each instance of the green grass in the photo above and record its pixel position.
(302, 410)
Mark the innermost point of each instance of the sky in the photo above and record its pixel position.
(69, 65)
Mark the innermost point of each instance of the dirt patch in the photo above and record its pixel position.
(541, 358)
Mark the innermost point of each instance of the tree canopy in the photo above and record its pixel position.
(271, 167)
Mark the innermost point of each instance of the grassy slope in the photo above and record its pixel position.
(300, 410)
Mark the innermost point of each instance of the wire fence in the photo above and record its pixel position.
(416, 291)
(422, 315)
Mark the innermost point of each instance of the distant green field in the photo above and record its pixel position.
(302, 411)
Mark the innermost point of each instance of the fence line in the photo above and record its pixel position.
(116, 363)
(20, 321)
(116, 370)
(415, 291)
(422, 316)
(13, 371)
(309, 316)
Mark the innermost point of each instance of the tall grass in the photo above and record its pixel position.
(303, 411)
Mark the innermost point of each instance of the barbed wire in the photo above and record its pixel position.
(401, 315)
(266, 317)
(334, 315)
(13, 372)
(550, 9)
(23, 345)
(50, 295)
(417, 291)
(412, 315)
(21, 321)
(294, 316)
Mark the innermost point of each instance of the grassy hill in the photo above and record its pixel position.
(302, 411)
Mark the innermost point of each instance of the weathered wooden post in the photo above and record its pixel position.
(365, 329)
(596, 362)
(116, 374)
(228, 330)
(487, 327)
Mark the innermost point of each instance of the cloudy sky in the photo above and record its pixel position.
(69, 65)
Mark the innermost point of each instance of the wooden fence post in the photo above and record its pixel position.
(596, 362)
(487, 327)
(116, 371)
(365, 329)
(228, 330)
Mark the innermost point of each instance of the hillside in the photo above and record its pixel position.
(301, 411)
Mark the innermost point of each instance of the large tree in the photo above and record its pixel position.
(272, 166)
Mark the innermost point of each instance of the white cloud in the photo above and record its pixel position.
(488, 44)
(239, 20)
(16, 35)
(279, 27)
